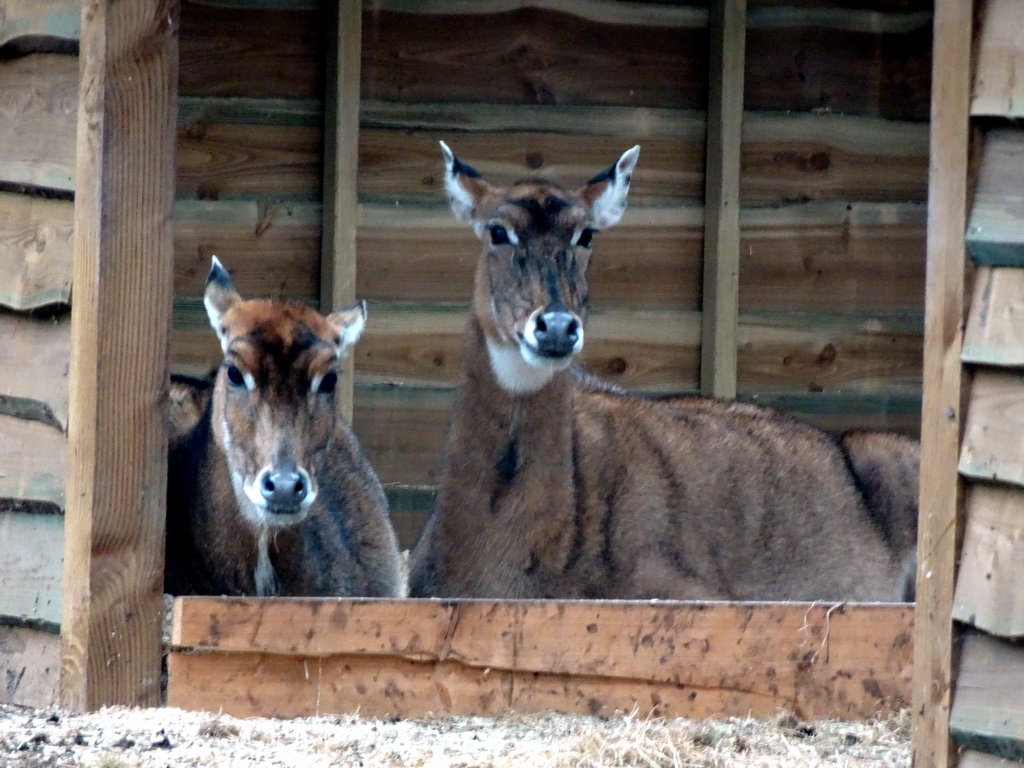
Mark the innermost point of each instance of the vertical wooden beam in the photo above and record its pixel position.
(941, 417)
(120, 323)
(727, 29)
(341, 164)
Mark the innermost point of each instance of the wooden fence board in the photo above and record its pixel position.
(785, 158)
(35, 251)
(221, 160)
(532, 55)
(995, 232)
(117, 436)
(990, 583)
(251, 52)
(30, 566)
(406, 658)
(993, 441)
(33, 456)
(269, 248)
(21, 19)
(998, 89)
(969, 758)
(819, 257)
(988, 713)
(30, 667)
(35, 357)
(38, 109)
(995, 333)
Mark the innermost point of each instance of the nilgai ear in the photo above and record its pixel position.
(349, 323)
(605, 195)
(220, 296)
(465, 188)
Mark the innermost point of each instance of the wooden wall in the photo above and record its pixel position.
(38, 104)
(987, 714)
(834, 180)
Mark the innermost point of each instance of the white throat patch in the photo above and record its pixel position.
(515, 374)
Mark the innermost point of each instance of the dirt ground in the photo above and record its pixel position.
(162, 737)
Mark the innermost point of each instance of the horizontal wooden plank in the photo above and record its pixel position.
(523, 55)
(35, 358)
(993, 442)
(30, 565)
(990, 584)
(251, 52)
(33, 456)
(269, 248)
(222, 160)
(998, 90)
(249, 111)
(988, 713)
(29, 19)
(38, 113)
(995, 232)
(817, 257)
(994, 333)
(35, 251)
(407, 658)
(785, 157)
(409, 505)
(30, 667)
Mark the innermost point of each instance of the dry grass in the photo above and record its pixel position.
(155, 738)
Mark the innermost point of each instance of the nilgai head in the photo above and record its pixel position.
(273, 412)
(530, 294)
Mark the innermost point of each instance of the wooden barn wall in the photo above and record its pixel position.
(834, 180)
(38, 104)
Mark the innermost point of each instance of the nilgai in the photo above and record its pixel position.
(268, 491)
(557, 485)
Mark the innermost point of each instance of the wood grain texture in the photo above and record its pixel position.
(251, 52)
(38, 107)
(785, 158)
(990, 585)
(720, 292)
(30, 666)
(123, 276)
(269, 248)
(28, 20)
(35, 251)
(995, 235)
(221, 160)
(987, 714)
(341, 172)
(30, 566)
(848, 258)
(531, 55)
(35, 359)
(940, 499)
(34, 457)
(995, 334)
(998, 90)
(993, 442)
(405, 658)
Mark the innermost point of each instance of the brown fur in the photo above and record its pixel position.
(342, 543)
(578, 490)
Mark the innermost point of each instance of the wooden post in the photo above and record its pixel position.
(120, 323)
(941, 417)
(727, 28)
(341, 163)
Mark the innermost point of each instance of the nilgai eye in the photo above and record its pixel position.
(499, 235)
(584, 239)
(328, 383)
(235, 376)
